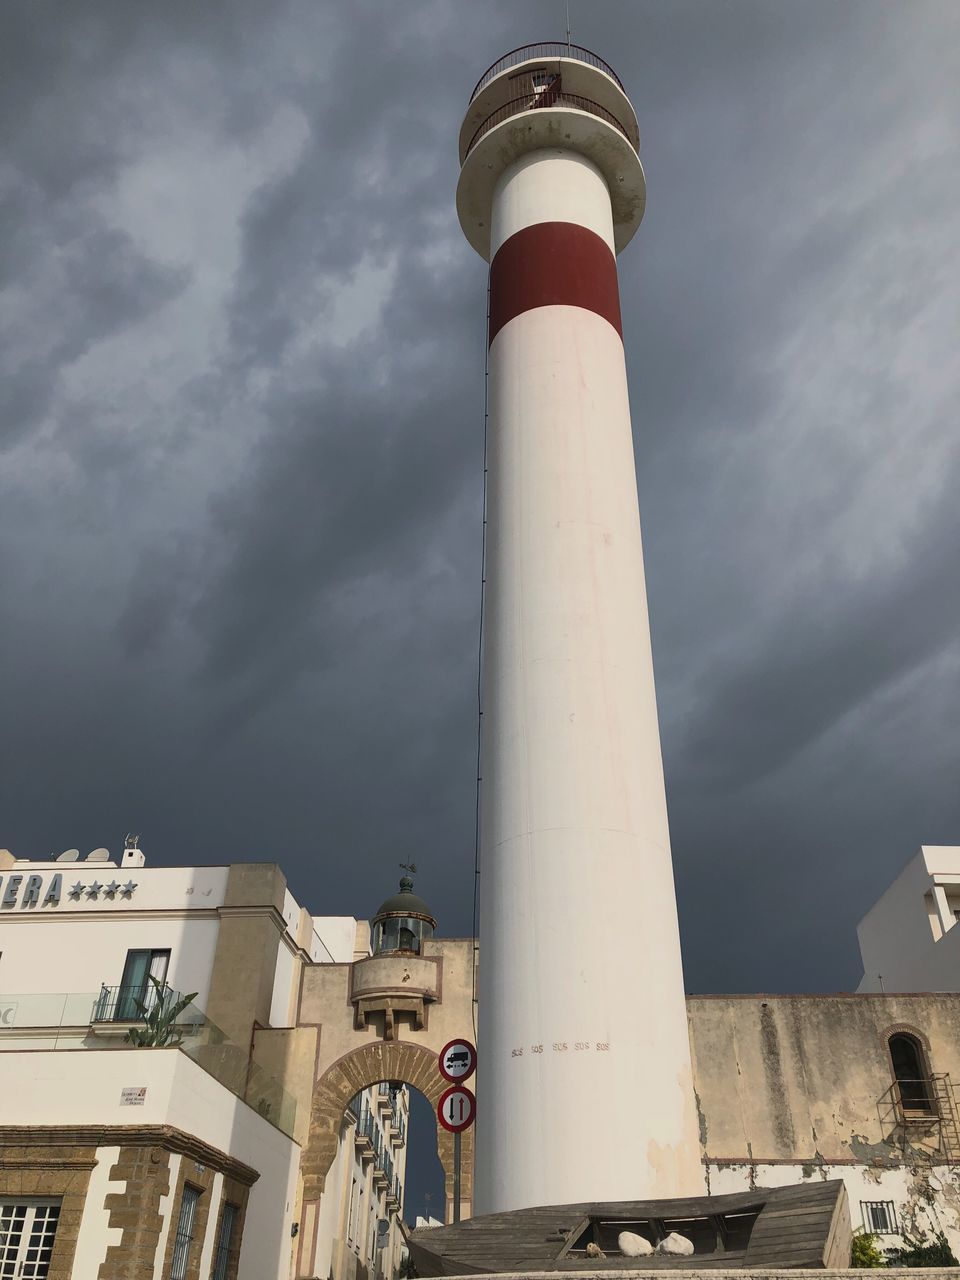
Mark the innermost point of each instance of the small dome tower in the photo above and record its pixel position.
(404, 921)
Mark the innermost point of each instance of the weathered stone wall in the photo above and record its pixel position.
(807, 1079)
(797, 1087)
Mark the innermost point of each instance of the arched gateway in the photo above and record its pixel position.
(411, 1064)
(385, 1017)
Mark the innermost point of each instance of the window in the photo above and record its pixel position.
(136, 989)
(910, 1072)
(352, 1220)
(221, 1258)
(879, 1217)
(184, 1236)
(27, 1230)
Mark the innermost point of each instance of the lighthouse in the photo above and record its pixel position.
(584, 1085)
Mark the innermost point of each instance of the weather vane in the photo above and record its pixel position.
(409, 866)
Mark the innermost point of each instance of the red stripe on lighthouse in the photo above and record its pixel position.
(551, 264)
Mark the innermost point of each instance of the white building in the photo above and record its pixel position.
(907, 939)
(365, 1188)
(140, 1125)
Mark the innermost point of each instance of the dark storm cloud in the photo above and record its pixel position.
(841, 651)
(240, 510)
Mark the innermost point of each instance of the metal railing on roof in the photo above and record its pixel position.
(516, 106)
(545, 49)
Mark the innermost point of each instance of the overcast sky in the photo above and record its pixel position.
(242, 361)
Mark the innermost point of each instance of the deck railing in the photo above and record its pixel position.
(545, 49)
(528, 102)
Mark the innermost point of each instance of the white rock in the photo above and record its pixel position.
(676, 1244)
(633, 1246)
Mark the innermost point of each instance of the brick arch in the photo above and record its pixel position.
(367, 1065)
(905, 1029)
(915, 1033)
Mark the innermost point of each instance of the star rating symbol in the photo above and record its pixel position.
(93, 890)
(127, 890)
(76, 891)
(110, 890)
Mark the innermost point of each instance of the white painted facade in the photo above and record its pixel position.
(909, 940)
(580, 981)
(66, 930)
(86, 1088)
(178, 909)
(899, 1197)
(355, 1199)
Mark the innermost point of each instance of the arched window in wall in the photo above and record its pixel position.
(911, 1074)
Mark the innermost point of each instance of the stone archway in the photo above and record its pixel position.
(412, 1064)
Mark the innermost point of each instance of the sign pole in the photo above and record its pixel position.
(456, 1176)
(457, 1105)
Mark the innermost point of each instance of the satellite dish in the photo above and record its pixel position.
(98, 855)
(68, 855)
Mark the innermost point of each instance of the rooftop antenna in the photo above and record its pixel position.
(567, 6)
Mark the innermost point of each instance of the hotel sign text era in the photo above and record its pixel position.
(38, 891)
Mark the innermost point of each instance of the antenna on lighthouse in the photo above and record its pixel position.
(567, 5)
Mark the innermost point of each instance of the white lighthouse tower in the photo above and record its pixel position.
(584, 1084)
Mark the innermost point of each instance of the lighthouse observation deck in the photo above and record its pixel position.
(545, 49)
(549, 95)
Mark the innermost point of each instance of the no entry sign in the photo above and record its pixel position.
(456, 1109)
(458, 1061)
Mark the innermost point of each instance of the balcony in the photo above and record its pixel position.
(364, 1136)
(923, 1112)
(104, 1020)
(398, 1129)
(384, 1098)
(546, 49)
(554, 98)
(547, 100)
(394, 1200)
(120, 1009)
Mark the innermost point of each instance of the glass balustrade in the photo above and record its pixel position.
(105, 1019)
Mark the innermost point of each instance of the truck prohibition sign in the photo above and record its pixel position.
(457, 1061)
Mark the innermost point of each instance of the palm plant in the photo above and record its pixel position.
(159, 1029)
